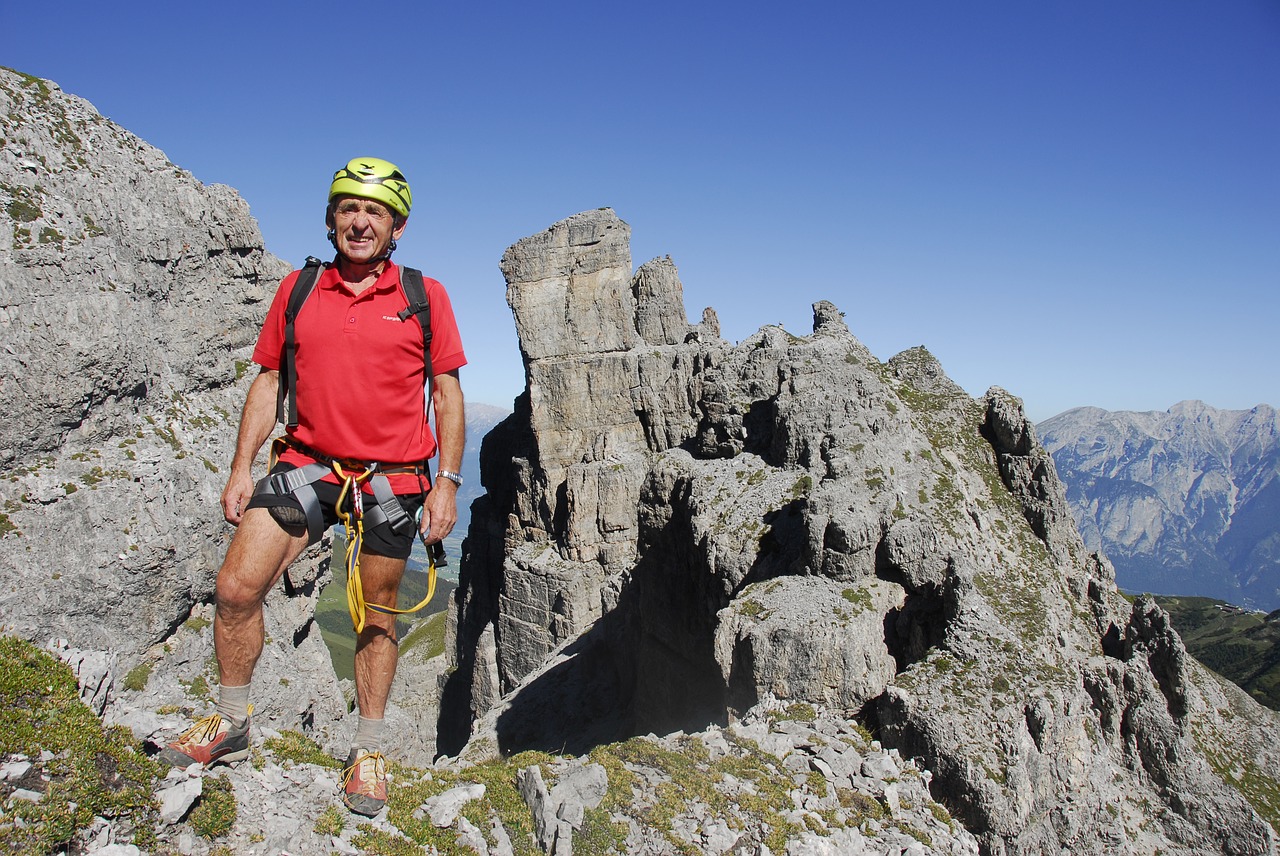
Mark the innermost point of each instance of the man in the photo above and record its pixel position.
(357, 378)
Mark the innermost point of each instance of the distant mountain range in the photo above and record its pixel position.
(1183, 502)
(480, 420)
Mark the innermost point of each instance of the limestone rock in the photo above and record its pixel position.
(444, 808)
(130, 298)
(178, 792)
(817, 526)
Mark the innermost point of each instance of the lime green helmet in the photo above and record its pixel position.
(373, 178)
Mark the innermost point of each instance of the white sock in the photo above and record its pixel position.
(368, 736)
(233, 704)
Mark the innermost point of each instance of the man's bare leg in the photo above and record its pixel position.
(376, 648)
(259, 553)
(364, 788)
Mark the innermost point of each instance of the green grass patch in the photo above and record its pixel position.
(860, 598)
(196, 623)
(136, 679)
(801, 712)
(501, 797)
(376, 842)
(427, 635)
(92, 772)
(293, 746)
(215, 813)
(694, 777)
(331, 821)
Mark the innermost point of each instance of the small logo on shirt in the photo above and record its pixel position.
(390, 318)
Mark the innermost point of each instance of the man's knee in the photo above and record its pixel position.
(259, 552)
(378, 627)
(239, 589)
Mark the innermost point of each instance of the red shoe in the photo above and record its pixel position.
(364, 782)
(212, 740)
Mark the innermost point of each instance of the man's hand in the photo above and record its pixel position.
(235, 496)
(440, 512)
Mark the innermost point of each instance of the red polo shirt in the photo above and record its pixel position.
(360, 386)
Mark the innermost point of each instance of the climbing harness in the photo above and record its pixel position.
(352, 513)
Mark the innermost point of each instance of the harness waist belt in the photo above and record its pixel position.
(414, 468)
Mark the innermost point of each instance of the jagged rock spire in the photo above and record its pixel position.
(678, 527)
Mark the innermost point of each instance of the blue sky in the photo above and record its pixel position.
(1078, 201)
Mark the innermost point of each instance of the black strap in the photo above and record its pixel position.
(415, 290)
(286, 394)
(298, 484)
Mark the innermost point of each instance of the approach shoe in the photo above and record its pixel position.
(212, 740)
(364, 782)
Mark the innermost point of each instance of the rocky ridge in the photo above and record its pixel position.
(677, 527)
(1183, 501)
(785, 778)
(135, 292)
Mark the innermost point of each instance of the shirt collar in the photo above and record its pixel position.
(388, 280)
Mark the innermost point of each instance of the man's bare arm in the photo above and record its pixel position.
(257, 422)
(441, 511)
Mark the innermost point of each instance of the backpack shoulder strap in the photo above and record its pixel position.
(416, 292)
(286, 395)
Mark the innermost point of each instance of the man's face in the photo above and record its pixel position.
(363, 228)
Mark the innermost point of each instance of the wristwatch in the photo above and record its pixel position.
(451, 476)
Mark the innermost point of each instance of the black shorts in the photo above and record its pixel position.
(380, 539)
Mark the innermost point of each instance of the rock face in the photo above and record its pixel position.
(677, 528)
(1183, 502)
(130, 298)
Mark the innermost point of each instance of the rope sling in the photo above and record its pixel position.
(353, 525)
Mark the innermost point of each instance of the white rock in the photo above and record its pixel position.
(176, 800)
(892, 798)
(470, 835)
(14, 770)
(343, 846)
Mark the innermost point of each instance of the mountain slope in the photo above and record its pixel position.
(1183, 502)
(677, 528)
(131, 295)
(1238, 644)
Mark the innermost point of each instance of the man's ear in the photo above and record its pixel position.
(328, 216)
(401, 222)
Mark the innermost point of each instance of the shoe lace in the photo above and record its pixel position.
(366, 785)
(203, 731)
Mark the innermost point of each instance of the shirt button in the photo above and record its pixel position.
(353, 320)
